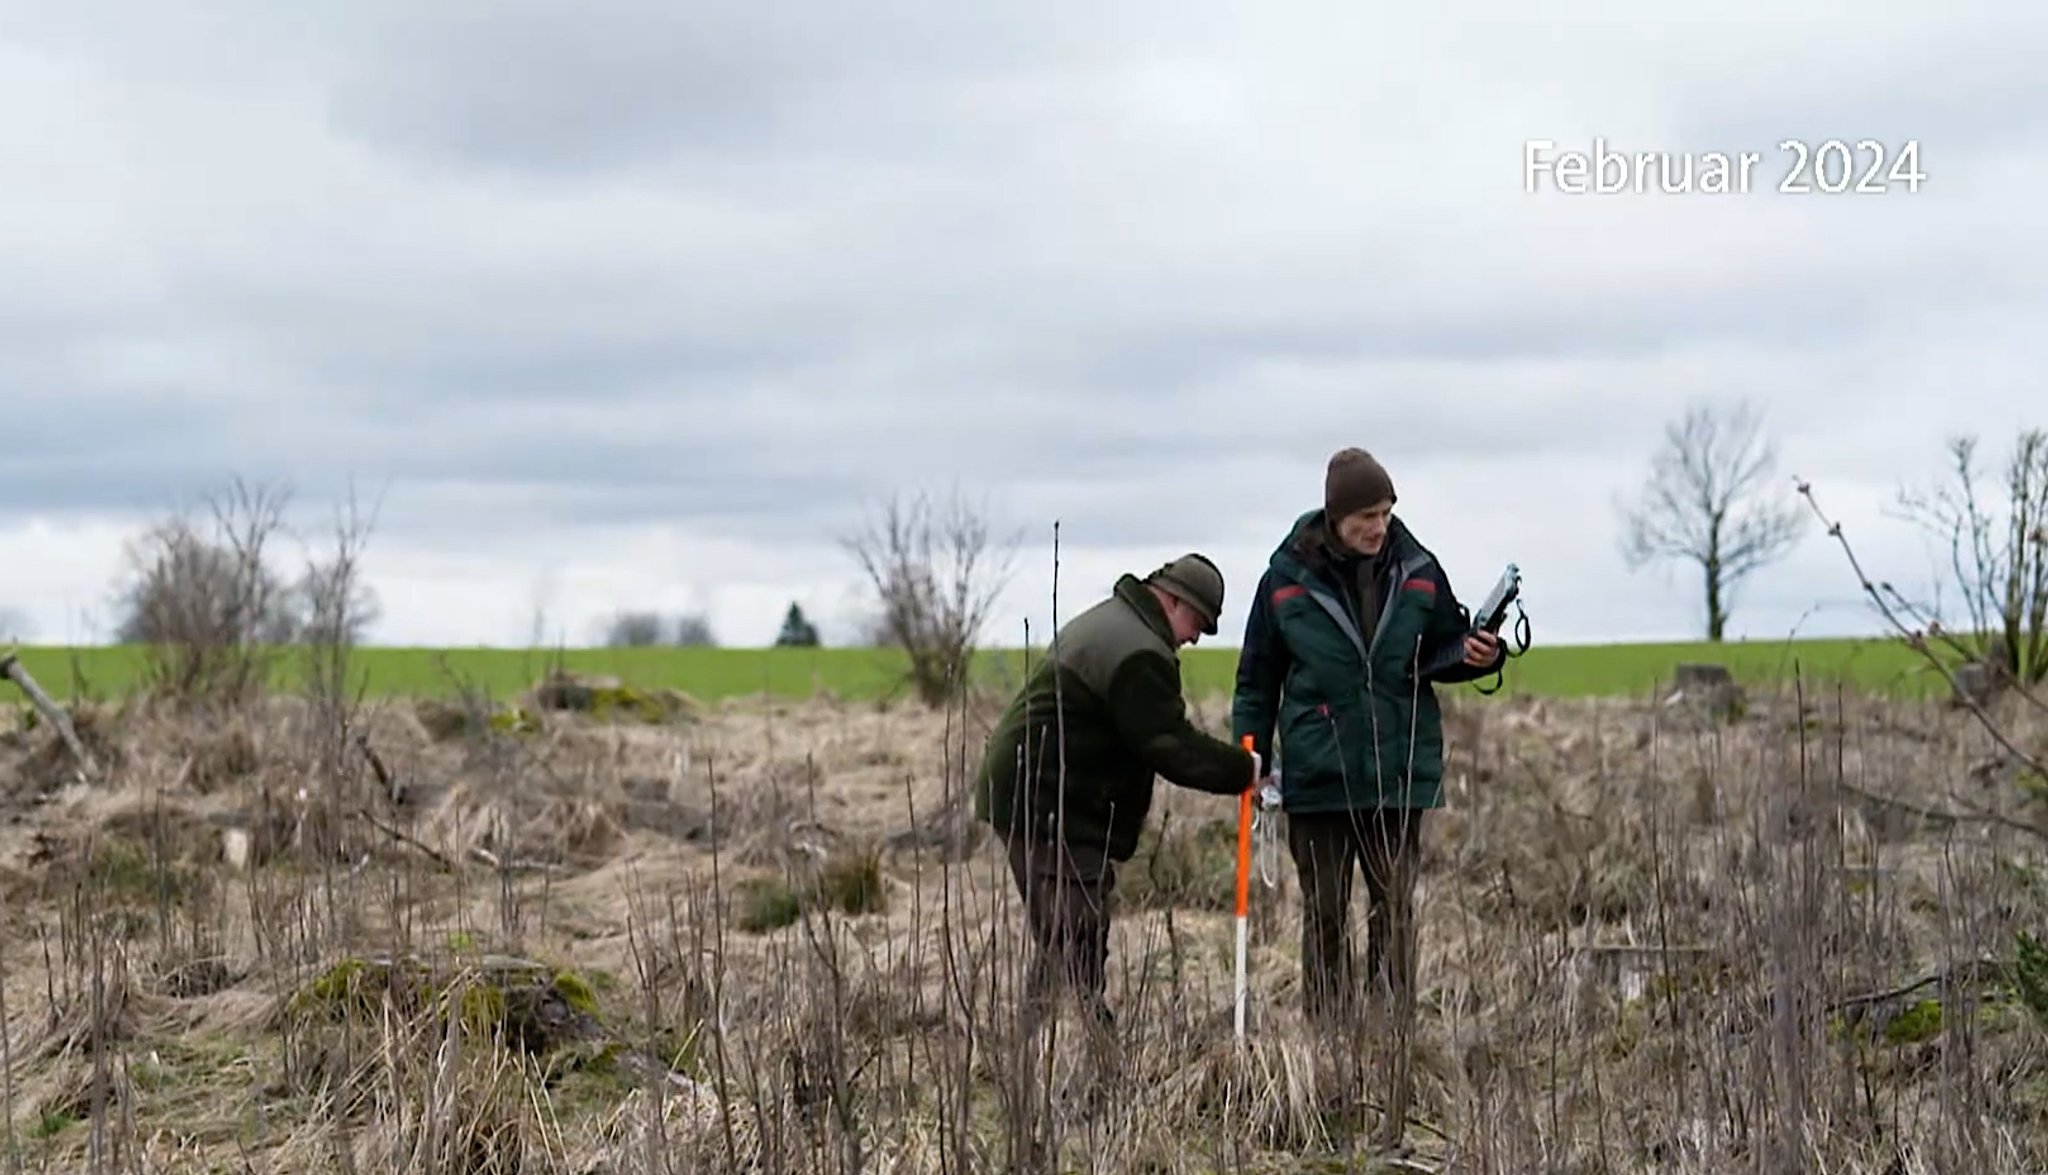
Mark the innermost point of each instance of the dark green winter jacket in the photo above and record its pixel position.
(1096, 721)
(1351, 695)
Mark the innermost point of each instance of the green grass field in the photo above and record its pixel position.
(1883, 666)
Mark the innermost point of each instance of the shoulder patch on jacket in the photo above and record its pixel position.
(1421, 583)
(1282, 595)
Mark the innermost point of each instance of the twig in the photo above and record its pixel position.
(1978, 811)
(385, 780)
(1911, 809)
(487, 857)
(1915, 640)
(12, 668)
(1934, 629)
(1974, 812)
(1980, 970)
(432, 853)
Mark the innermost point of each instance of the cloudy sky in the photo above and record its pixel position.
(644, 305)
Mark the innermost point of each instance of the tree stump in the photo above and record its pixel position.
(1707, 689)
(563, 690)
(1977, 683)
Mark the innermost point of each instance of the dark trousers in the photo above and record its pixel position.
(1066, 892)
(1386, 846)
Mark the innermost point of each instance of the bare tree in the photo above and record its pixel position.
(336, 605)
(693, 631)
(1709, 500)
(635, 630)
(645, 629)
(205, 599)
(1998, 557)
(936, 574)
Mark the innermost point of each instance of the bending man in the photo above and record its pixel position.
(1067, 774)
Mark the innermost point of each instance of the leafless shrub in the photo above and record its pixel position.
(217, 615)
(635, 630)
(936, 573)
(336, 605)
(647, 629)
(1900, 613)
(1997, 558)
(204, 599)
(693, 631)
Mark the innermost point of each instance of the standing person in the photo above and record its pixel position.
(1353, 625)
(1066, 777)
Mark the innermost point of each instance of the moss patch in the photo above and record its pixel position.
(611, 700)
(530, 1005)
(1917, 1024)
(2030, 976)
(576, 992)
(2033, 783)
(850, 882)
(515, 720)
(654, 707)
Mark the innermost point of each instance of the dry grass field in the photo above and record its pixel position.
(757, 935)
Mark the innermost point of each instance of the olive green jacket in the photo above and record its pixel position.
(1075, 754)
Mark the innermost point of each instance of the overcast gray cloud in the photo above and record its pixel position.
(631, 303)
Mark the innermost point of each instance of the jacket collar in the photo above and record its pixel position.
(1310, 546)
(1139, 598)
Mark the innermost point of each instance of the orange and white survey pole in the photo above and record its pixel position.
(1244, 879)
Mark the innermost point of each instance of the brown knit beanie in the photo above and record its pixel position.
(1354, 481)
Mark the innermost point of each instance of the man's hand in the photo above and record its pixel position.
(1481, 648)
(1268, 793)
